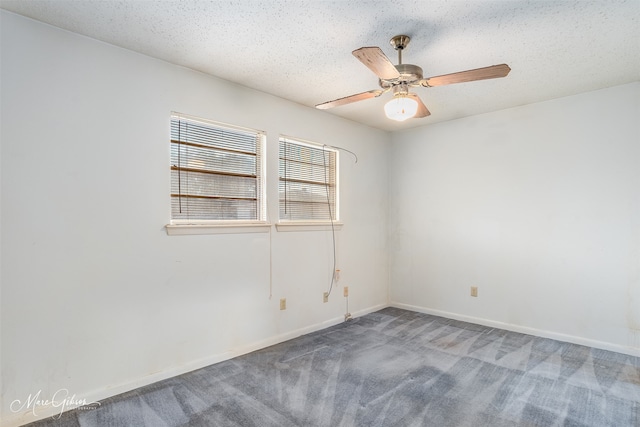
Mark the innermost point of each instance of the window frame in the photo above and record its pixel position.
(284, 224)
(215, 226)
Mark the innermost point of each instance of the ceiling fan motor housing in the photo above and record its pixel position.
(409, 74)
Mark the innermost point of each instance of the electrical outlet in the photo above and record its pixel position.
(345, 291)
(325, 297)
(474, 291)
(283, 303)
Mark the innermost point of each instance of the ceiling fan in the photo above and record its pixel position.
(399, 78)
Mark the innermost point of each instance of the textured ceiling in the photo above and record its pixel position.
(301, 50)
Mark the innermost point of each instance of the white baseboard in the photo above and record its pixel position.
(42, 412)
(633, 351)
(373, 309)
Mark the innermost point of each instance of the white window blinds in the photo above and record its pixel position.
(308, 183)
(216, 172)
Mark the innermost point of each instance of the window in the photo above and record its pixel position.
(216, 172)
(308, 182)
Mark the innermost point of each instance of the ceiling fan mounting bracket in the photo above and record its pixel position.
(400, 42)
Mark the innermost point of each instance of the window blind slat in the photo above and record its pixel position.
(213, 160)
(215, 209)
(199, 184)
(188, 131)
(193, 144)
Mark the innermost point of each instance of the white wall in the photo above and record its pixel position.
(96, 298)
(538, 206)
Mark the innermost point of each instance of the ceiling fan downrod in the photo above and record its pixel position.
(399, 43)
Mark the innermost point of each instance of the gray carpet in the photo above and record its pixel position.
(391, 368)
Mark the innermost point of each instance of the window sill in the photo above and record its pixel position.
(248, 227)
(224, 228)
(308, 226)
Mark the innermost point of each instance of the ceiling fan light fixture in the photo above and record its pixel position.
(401, 108)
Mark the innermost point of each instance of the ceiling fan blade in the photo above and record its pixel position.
(349, 99)
(492, 72)
(377, 61)
(422, 109)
